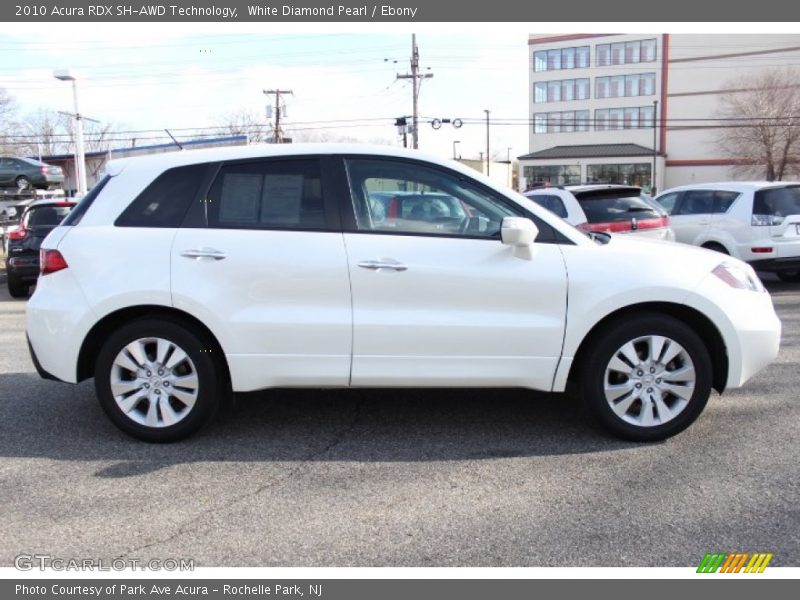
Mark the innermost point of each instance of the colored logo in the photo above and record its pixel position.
(734, 562)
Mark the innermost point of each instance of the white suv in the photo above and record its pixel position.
(758, 222)
(183, 277)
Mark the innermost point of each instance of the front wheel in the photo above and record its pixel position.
(158, 381)
(647, 378)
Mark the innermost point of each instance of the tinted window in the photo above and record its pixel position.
(401, 197)
(723, 201)
(607, 206)
(551, 203)
(780, 202)
(278, 194)
(165, 201)
(667, 201)
(77, 213)
(696, 202)
(45, 216)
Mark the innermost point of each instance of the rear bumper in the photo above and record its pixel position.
(25, 268)
(42, 373)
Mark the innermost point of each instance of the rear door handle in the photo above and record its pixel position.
(382, 264)
(204, 253)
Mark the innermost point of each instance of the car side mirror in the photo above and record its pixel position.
(520, 233)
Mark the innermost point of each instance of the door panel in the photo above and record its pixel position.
(278, 301)
(464, 312)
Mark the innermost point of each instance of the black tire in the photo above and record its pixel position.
(211, 387)
(716, 248)
(22, 183)
(604, 348)
(789, 276)
(17, 288)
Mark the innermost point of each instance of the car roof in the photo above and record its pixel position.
(51, 202)
(160, 162)
(734, 186)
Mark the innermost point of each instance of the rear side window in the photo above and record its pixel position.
(779, 202)
(164, 202)
(45, 215)
(276, 194)
(608, 206)
(77, 213)
(551, 203)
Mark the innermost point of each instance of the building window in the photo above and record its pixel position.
(625, 53)
(617, 86)
(635, 117)
(561, 121)
(575, 57)
(564, 90)
(552, 174)
(638, 174)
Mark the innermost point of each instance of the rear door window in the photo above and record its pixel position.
(696, 202)
(45, 216)
(271, 194)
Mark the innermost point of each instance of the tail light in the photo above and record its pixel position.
(766, 220)
(18, 234)
(51, 261)
(621, 226)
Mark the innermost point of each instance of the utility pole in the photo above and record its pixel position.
(278, 134)
(488, 156)
(653, 190)
(416, 79)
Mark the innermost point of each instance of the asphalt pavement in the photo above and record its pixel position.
(399, 478)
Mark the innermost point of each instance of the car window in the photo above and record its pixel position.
(696, 202)
(779, 202)
(667, 201)
(45, 216)
(607, 206)
(275, 194)
(551, 203)
(165, 201)
(723, 201)
(77, 214)
(402, 197)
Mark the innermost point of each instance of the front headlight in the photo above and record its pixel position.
(739, 276)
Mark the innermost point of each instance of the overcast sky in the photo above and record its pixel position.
(166, 75)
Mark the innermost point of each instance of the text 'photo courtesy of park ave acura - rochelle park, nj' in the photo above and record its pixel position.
(380, 297)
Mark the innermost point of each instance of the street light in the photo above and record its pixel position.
(488, 160)
(455, 156)
(80, 157)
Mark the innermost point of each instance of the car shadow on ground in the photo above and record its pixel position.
(44, 419)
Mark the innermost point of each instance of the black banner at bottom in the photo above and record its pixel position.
(392, 589)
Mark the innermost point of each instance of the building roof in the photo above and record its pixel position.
(591, 151)
(170, 145)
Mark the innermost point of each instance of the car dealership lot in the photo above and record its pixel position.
(400, 478)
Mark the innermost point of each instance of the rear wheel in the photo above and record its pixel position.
(647, 378)
(716, 248)
(789, 276)
(17, 288)
(158, 381)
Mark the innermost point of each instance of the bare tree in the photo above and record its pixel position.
(46, 132)
(7, 113)
(761, 131)
(243, 122)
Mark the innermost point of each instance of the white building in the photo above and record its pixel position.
(612, 107)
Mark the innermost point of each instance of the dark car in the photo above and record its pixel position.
(27, 173)
(22, 260)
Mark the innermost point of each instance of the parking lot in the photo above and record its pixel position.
(400, 478)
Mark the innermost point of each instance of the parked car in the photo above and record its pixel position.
(757, 222)
(22, 256)
(606, 208)
(27, 173)
(183, 277)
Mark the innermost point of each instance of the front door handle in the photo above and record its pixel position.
(382, 264)
(204, 253)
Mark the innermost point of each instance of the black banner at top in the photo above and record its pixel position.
(410, 11)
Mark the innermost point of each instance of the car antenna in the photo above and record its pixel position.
(177, 143)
